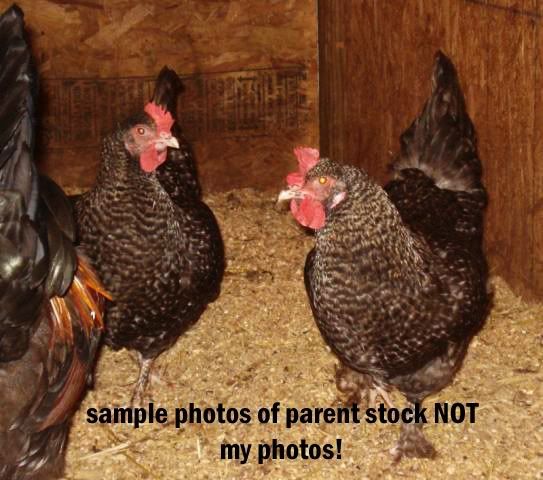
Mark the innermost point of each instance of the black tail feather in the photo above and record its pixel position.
(18, 84)
(168, 86)
(178, 175)
(441, 141)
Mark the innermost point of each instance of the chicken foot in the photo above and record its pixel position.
(412, 442)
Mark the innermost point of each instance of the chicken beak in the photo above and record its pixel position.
(168, 140)
(172, 142)
(294, 191)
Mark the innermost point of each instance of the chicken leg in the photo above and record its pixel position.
(357, 386)
(141, 387)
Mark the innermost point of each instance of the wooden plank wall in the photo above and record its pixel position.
(250, 70)
(376, 58)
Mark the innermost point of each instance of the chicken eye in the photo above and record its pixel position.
(322, 180)
(140, 130)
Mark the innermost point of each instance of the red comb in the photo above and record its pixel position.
(161, 116)
(307, 159)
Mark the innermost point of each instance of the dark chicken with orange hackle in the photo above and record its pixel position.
(51, 302)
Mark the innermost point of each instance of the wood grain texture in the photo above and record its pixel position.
(115, 46)
(536, 217)
(332, 97)
(389, 48)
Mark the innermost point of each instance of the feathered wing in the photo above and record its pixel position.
(21, 277)
(178, 175)
(51, 303)
(56, 218)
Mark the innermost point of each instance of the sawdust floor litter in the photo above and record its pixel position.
(258, 344)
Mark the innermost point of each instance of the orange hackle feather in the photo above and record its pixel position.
(62, 322)
(86, 296)
(83, 304)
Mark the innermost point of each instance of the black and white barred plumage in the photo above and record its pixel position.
(154, 242)
(397, 280)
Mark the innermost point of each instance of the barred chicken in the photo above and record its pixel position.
(51, 302)
(155, 244)
(397, 280)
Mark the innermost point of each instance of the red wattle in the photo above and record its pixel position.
(308, 212)
(151, 159)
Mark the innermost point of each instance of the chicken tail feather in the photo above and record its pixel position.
(84, 300)
(441, 141)
(167, 88)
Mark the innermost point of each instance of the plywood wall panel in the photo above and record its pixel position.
(332, 58)
(537, 177)
(97, 59)
(507, 144)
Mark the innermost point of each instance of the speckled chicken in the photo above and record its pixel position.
(155, 243)
(397, 280)
(51, 303)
